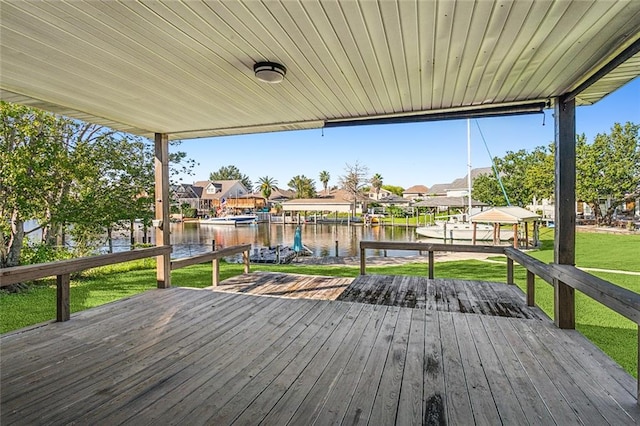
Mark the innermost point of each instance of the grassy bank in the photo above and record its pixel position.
(613, 333)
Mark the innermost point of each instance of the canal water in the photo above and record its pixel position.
(191, 238)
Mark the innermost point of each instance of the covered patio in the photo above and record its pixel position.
(194, 69)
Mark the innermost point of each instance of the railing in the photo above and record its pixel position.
(63, 269)
(214, 257)
(426, 247)
(534, 267)
(624, 302)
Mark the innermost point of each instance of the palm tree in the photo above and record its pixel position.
(324, 178)
(305, 187)
(376, 182)
(266, 185)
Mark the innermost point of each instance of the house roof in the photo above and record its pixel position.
(185, 68)
(440, 201)
(438, 189)
(393, 199)
(509, 214)
(317, 204)
(326, 200)
(416, 189)
(202, 183)
(279, 193)
(224, 186)
(342, 195)
(459, 183)
(189, 191)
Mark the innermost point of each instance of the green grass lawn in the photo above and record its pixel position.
(613, 333)
(603, 251)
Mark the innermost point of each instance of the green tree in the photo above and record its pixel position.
(540, 175)
(608, 170)
(487, 190)
(513, 169)
(266, 185)
(303, 186)
(324, 178)
(71, 177)
(397, 190)
(231, 173)
(376, 183)
(33, 159)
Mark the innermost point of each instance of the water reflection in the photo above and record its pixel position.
(189, 239)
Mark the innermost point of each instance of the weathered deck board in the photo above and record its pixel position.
(215, 358)
(385, 404)
(286, 285)
(483, 404)
(362, 399)
(508, 406)
(186, 356)
(530, 401)
(457, 396)
(281, 400)
(110, 377)
(410, 407)
(434, 397)
(543, 383)
(445, 295)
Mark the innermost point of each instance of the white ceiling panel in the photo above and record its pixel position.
(186, 67)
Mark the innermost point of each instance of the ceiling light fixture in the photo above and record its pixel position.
(269, 72)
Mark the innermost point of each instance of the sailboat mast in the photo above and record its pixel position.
(469, 165)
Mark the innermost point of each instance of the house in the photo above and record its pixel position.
(185, 193)
(207, 196)
(382, 194)
(416, 191)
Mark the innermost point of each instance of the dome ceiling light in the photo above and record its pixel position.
(269, 72)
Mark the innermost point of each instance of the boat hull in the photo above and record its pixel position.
(462, 232)
(230, 220)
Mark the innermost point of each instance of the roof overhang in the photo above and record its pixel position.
(317, 205)
(185, 68)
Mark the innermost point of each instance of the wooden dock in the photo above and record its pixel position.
(202, 357)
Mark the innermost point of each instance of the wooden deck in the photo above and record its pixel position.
(186, 356)
(447, 295)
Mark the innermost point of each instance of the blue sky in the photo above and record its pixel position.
(404, 154)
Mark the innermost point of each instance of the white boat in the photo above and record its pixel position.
(242, 219)
(461, 231)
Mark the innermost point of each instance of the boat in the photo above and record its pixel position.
(461, 231)
(241, 219)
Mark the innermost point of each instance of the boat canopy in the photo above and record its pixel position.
(506, 214)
